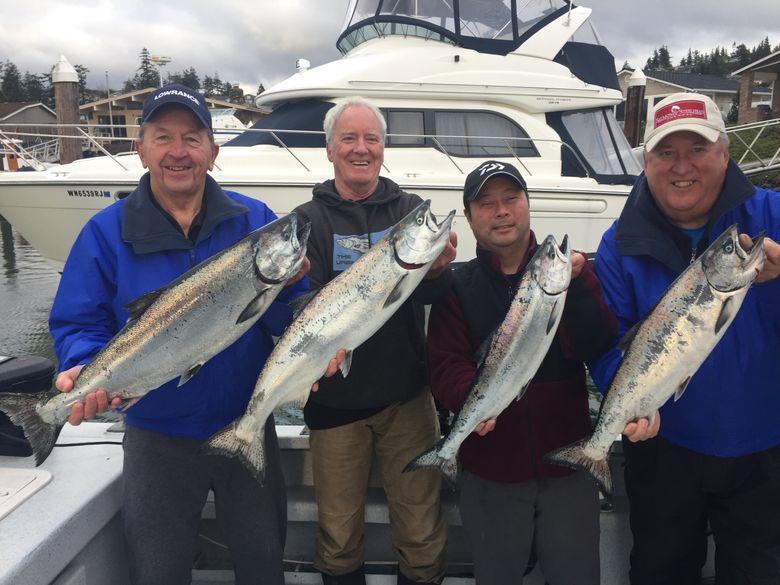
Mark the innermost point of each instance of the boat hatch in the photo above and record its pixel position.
(18, 485)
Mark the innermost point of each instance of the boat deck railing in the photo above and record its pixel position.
(757, 146)
(21, 140)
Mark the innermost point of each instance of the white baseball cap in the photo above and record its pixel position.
(693, 112)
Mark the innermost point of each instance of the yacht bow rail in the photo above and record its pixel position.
(755, 147)
(95, 138)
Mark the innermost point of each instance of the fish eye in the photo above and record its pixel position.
(286, 231)
(728, 246)
(420, 221)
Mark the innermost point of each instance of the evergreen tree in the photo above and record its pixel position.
(762, 50)
(233, 93)
(84, 95)
(188, 77)
(664, 60)
(11, 88)
(34, 88)
(212, 86)
(740, 56)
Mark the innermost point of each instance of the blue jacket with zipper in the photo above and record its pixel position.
(732, 404)
(131, 248)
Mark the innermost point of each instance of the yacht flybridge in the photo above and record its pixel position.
(526, 81)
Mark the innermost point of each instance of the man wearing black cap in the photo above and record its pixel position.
(510, 502)
(177, 217)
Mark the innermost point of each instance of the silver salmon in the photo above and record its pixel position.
(664, 350)
(173, 331)
(515, 352)
(343, 314)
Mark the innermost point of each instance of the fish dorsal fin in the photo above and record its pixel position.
(137, 306)
(395, 294)
(680, 389)
(189, 374)
(252, 310)
(298, 304)
(726, 314)
(626, 340)
(346, 364)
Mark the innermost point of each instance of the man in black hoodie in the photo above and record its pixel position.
(384, 406)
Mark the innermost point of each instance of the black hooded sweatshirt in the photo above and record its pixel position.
(389, 367)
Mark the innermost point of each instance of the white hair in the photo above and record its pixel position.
(334, 114)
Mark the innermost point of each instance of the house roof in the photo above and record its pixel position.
(768, 64)
(139, 95)
(11, 108)
(694, 81)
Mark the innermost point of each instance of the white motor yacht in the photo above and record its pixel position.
(459, 82)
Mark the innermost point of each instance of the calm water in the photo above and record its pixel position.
(27, 287)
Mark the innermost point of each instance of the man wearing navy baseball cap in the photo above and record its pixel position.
(509, 499)
(177, 217)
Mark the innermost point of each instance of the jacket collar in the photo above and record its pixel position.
(146, 228)
(490, 261)
(642, 230)
(386, 190)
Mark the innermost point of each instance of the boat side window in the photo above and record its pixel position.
(405, 128)
(481, 134)
(595, 145)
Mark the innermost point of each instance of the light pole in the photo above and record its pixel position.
(161, 61)
(110, 110)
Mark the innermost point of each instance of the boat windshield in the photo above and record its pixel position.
(486, 25)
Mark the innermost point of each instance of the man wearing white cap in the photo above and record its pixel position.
(713, 457)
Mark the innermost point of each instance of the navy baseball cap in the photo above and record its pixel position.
(487, 170)
(181, 95)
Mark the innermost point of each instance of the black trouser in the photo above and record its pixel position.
(165, 483)
(676, 493)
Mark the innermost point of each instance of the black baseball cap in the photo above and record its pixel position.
(182, 95)
(487, 170)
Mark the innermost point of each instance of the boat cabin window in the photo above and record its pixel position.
(481, 134)
(401, 123)
(304, 116)
(596, 146)
(459, 132)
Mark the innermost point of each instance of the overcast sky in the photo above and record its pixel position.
(254, 41)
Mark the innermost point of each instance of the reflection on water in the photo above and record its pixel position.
(27, 287)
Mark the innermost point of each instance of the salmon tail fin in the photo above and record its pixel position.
(574, 456)
(431, 459)
(228, 444)
(21, 409)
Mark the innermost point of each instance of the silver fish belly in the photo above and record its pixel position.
(173, 331)
(663, 352)
(516, 351)
(343, 314)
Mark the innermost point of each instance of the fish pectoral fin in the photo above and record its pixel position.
(127, 404)
(189, 374)
(555, 316)
(137, 306)
(252, 310)
(680, 389)
(396, 293)
(726, 314)
(522, 391)
(346, 364)
(298, 304)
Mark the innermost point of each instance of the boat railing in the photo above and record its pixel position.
(99, 138)
(755, 147)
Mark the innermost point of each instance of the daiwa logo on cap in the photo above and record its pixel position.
(490, 167)
(680, 110)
